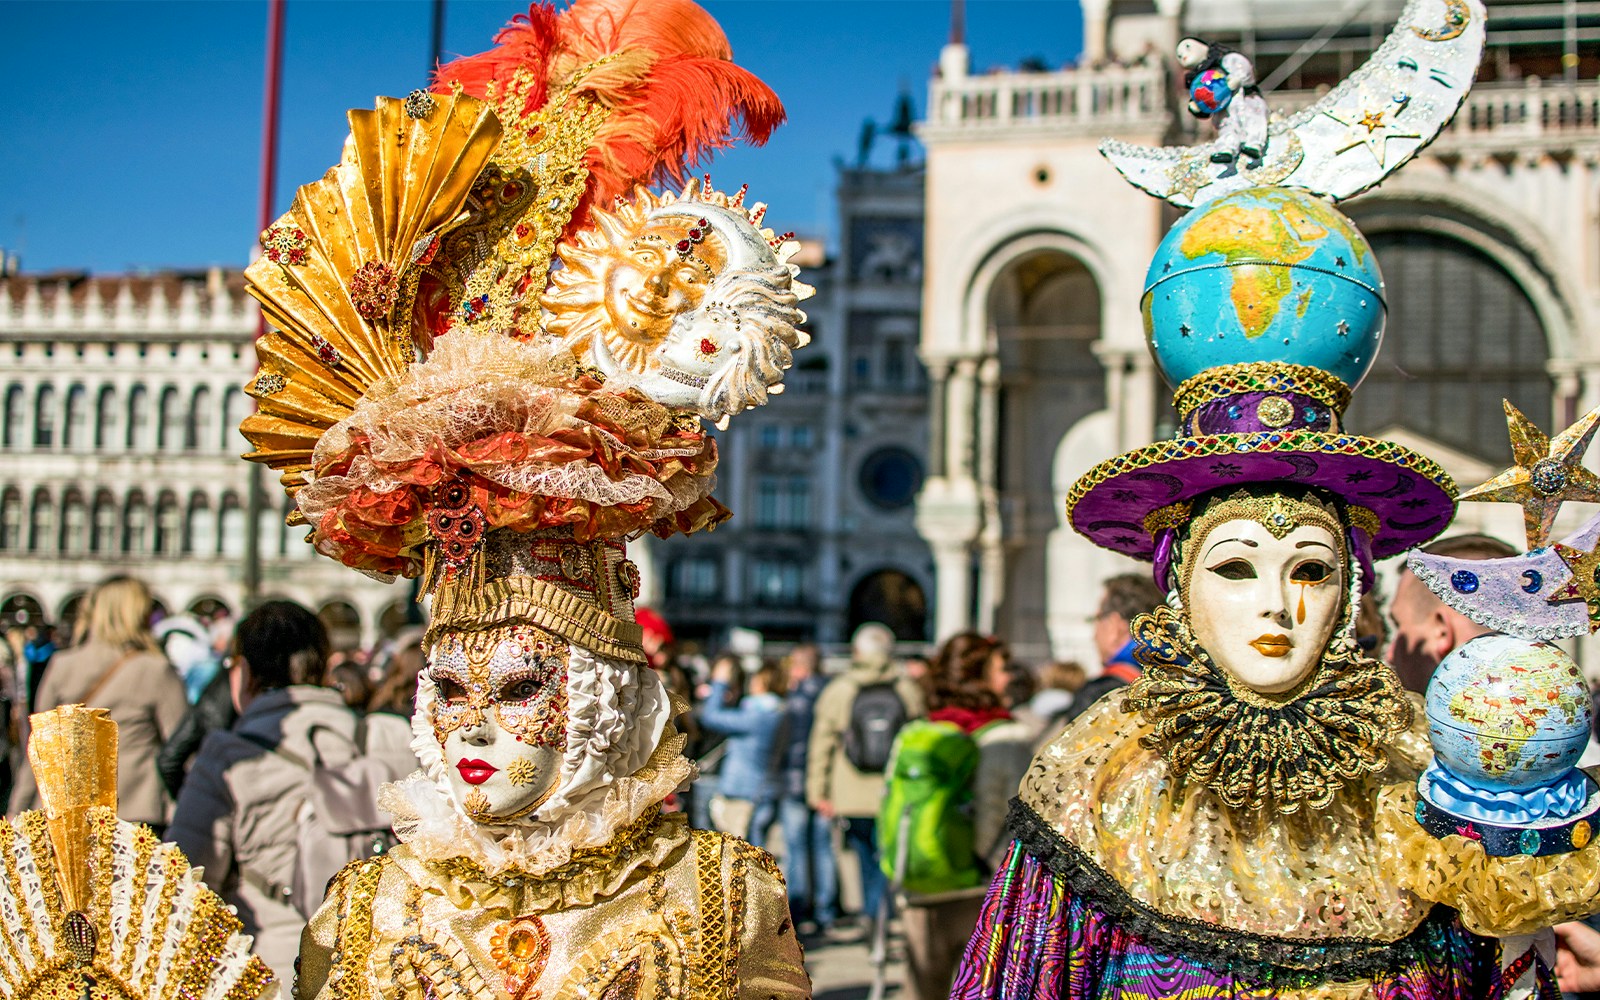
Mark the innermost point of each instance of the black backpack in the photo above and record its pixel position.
(876, 716)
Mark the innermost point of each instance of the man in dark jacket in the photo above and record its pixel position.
(1126, 597)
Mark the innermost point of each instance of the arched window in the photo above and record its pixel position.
(1466, 337)
(169, 526)
(41, 522)
(235, 407)
(15, 416)
(170, 422)
(197, 432)
(44, 417)
(76, 432)
(103, 532)
(11, 520)
(233, 528)
(138, 419)
(200, 528)
(74, 524)
(136, 525)
(105, 418)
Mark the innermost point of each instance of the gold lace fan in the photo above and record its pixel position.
(95, 908)
(338, 270)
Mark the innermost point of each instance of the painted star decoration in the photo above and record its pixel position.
(1547, 473)
(1585, 583)
(1372, 127)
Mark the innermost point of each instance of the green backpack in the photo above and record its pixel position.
(929, 795)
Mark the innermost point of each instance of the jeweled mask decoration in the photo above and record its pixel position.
(499, 713)
(683, 297)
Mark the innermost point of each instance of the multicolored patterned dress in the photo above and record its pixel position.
(1127, 883)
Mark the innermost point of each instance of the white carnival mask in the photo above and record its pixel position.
(1265, 606)
(500, 717)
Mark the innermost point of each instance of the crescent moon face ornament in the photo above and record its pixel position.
(1353, 137)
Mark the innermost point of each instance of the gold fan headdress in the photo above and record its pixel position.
(427, 385)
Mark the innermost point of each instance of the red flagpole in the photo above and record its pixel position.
(269, 178)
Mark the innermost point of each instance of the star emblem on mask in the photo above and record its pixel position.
(1547, 473)
(1585, 583)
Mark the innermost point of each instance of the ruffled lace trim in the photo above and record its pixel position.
(426, 820)
(1269, 961)
(1267, 755)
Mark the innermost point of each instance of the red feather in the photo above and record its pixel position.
(675, 95)
(528, 42)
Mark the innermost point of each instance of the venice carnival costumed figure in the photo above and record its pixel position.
(493, 358)
(1246, 820)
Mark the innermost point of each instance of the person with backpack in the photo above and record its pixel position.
(942, 823)
(276, 805)
(747, 794)
(852, 732)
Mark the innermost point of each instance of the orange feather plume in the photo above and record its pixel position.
(663, 67)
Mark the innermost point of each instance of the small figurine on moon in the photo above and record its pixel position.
(1222, 87)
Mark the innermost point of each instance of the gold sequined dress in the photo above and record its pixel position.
(1127, 881)
(661, 911)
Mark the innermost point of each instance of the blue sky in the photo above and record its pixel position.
(135, 132)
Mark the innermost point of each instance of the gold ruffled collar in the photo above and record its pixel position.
(1254, 751)
(647, 843)
(1174, 846)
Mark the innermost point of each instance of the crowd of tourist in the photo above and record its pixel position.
(901, 766)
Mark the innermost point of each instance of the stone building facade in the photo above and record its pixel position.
(822, 480)
(1489, 243)
(120, 399)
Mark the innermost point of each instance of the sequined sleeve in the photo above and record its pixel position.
(338, 935)
(1497, 897)
(770, 963)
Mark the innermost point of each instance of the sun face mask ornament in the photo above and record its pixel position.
(493, 353)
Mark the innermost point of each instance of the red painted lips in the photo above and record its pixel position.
(475, 772)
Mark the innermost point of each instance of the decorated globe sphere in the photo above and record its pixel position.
(1507, 713)
(1267, 274)
(1210, 91)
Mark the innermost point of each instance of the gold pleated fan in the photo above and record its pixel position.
(339, 270)
(96, 908)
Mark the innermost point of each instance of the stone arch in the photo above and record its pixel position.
(231, 526)
(1001, 255)
(200, 526)
(168, 540)
(21, 607)
(235, 407)
(138, 430)
(893, 597)
(1500, 231)
(75, 433)
(11, 530)
(343, 623)
(41, 522)
(1043, 321)
(170, 420)
(105, 417)
(74, 538)
(103, 524)
(44, 417)
(136, 524)
(14, 433)
(208, 606)
(199, 429)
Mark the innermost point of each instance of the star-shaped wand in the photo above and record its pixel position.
(1546, 474)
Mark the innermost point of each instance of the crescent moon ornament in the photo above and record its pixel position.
(1354, 136)
(1172, 484)
(1305, 467)
(1536, 595)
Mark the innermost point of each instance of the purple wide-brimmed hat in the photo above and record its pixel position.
(1257, 424)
